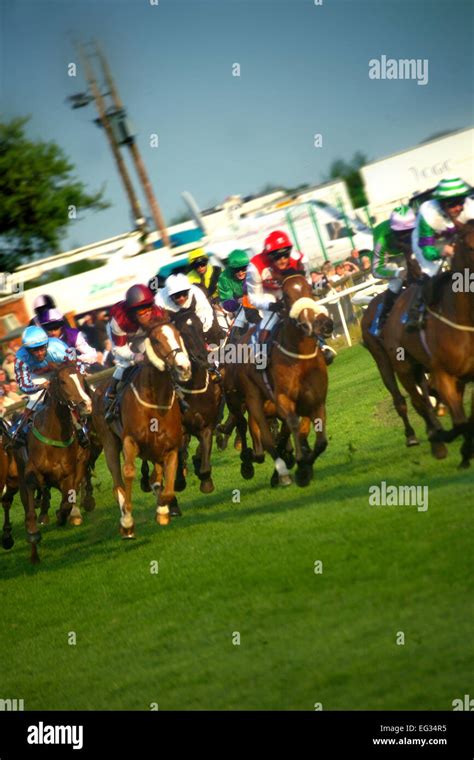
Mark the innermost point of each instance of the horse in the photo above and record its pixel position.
(8, 489)
(150, 424)
(53, 457)
(203, 402)
(444, 347)
(292, 388)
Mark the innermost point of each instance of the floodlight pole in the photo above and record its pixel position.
(100, 104)
(136, 156)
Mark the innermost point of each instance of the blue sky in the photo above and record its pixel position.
(304, 70)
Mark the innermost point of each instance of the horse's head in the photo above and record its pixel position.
(68, 386)
(310, 317)
(464, 251)
(165, 350)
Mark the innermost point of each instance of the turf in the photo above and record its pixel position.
(228, 569)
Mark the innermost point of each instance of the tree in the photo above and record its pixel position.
(39, 195)
(350, 173)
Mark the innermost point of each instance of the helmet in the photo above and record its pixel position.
(43, 302)
(50, 316)
(237, 259)
(276, 241)
(139, 295)
(451, 187)
(402, 219)
(198, 256)
(34, 337)
(177, 283)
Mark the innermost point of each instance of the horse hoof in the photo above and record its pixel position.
(180, 485)
(88, 504)
(303, 476)
(7, 541)
(247, 470)
(207, 486)
(163, 515)
(43, 519)
(439, 450)
(412, 440)
(464, 465)
(289, 459)
(61, 518)
(127, 533)
(238, 445)
(145, 485)
(175, 510)
(259, 458)
(221, 441)
(76, 520)
(285, 480)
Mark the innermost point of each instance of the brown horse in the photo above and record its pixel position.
(203, 401)
(293, 388)
(444, 348)
(8, 489)
(150, 425)
(53, 457)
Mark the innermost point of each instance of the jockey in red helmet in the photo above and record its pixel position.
(127, 329)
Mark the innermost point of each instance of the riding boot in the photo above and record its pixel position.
(18, 430)
(389, 299)
(110, 399)
(415, 316)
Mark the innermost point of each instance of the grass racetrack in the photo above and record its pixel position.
(249, 568)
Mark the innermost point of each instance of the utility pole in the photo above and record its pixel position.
(100, 104)
(136, 156)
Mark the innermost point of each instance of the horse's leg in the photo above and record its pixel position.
(7, 501)
(319, 423)
(224, 431)
(205, 442)
(258, 448)
(162, 515)
(27, 491)
(451, 391)
(406, 375)
(180, 481)
(168, 500)
(112, 458)
(145, 479)
(259, 422)
(389, 379)
(130, 453)
(285, 447)
(44, 505)
(87, 489)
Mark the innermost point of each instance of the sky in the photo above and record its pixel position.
(304, 70)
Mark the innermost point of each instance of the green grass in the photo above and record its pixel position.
(248, 567)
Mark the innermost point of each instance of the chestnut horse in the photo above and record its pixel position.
(150, 425)
(8, 489)
(54, 457)
(293, 388)
(444, 348)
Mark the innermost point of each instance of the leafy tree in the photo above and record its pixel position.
(39, 196)
(349, 171)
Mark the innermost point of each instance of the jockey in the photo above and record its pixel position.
(129, 320)
(392, 243)
(54, 323)
(232, 288)
(40, 305)
(203, 273)
(180, 296)
(35, 361)
(437, 223)
(264, 285)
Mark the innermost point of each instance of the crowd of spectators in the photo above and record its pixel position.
(355, 269)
